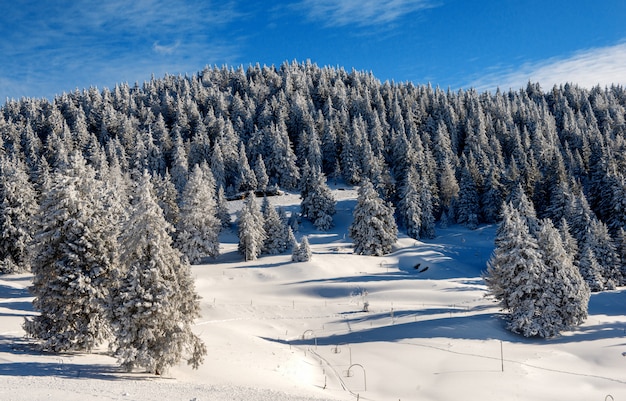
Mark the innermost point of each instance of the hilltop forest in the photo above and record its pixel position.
(437, 156)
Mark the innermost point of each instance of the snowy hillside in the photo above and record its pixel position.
(278, 330)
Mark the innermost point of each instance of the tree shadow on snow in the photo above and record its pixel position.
(12, 292)
(482, 326)
(55, 364)
(10, 299)
(60, 369)
(610, 303)
(475, 327)
(362, 278)
(18, 346)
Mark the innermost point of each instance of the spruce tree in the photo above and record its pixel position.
(514, 273)
(276, 229)
(217, 166)
(245, 179)
(198, 229)
(154, 303)
(565, 297)
(302, 252)
(318, 203)
(427, 230)
(410, 205)
(374, 229)
(251, 232)
(222, 208)
(167, 198)
(260, 173)
(603, 247)
(75, 253)
(180, 165)
(590, 269)
(621, 251)
(18, 206)
(467, 205)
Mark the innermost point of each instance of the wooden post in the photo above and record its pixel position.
(502, 355)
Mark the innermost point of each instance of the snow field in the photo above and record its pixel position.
(277, 330)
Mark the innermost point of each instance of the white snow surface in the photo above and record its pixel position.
(278, 330)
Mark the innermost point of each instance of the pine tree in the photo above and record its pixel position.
(565, 297)
(590, 270)
(154, 304)
(18, 206)
(167, 198)
(524, 205)
(318, 203)
(603, 247)
(260, 173)
(287, 227)
(514, 273)
(278, 233)
(222, 208)
(75, 252)
(198, 228)
(180, 165)
(410, 205)
(467, 205)
(217, 166)
(251, 232)
(492, 198)
(302, 252)
(427, 229)
(374, 229)
(245, 179)
(620, 245)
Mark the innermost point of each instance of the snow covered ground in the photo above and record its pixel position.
(278, 330)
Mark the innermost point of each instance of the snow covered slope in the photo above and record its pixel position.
(278, 330)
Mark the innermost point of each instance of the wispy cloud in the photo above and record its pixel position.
(101, 43)
(361, 12)
(599, 66)
(165, 49)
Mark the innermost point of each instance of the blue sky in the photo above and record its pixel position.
(51, 47)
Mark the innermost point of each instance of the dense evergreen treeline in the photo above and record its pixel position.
(435, 155)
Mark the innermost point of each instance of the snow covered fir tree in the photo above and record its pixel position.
(534, 278)
(251, 229)
(535, 160)
(198, 228)
(302, 252)
(154, 302)
(374, 229)
(75, 258)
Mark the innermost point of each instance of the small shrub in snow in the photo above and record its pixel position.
(302, 253)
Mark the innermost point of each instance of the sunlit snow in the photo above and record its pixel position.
(278, 330)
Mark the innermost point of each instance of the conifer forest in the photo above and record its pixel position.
(107, 196)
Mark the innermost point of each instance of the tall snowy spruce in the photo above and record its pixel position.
(318, 203)
(198, 228)
(251, 229)
(565, 295)
(278, 234)
(18, 206)
(534, 278)
(514, 273)
(374, 229)
(154, 304)
(75, 252)
(222, 208)
(412, 217)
